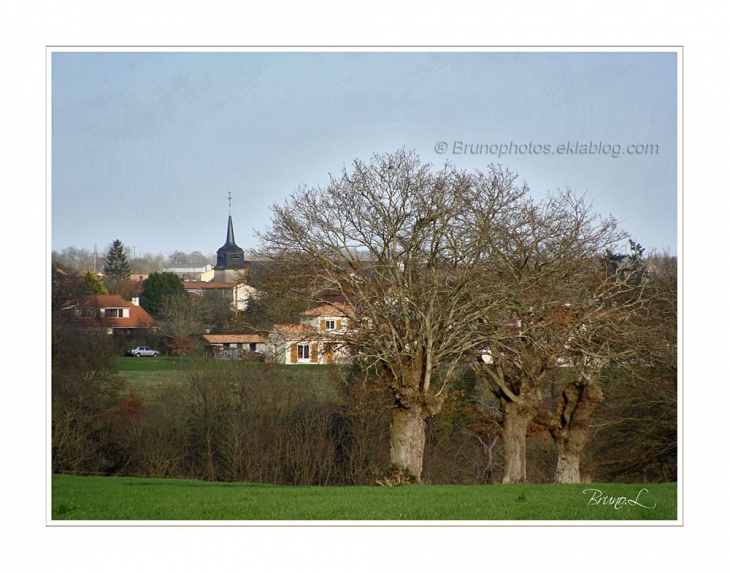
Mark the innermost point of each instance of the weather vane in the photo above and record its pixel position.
(229, 202)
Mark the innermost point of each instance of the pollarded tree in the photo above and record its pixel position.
(562, 310)
(403, 247)
(611, 329)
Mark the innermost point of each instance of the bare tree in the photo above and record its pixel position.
(182, 317)
(404, 248)
(563, 309)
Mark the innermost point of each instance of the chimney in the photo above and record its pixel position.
(135, 300)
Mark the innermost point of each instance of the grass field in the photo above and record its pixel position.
(117, 498)
(149, 375)
(148, 364)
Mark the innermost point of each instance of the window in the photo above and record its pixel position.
(303, 352)
(111, 312)
(329, 324)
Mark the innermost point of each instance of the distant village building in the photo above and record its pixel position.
(226, 278)
(230, 262)
(114, 314)
(317, 339)
(235, 293)
(204, 273)
(236, 346)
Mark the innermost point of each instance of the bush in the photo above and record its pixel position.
(395, 475)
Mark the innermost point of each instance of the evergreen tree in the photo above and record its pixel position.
(93, 285)
(157, 288)
(117, 266)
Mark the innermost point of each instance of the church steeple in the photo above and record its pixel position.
(230, 255)
(229, 237)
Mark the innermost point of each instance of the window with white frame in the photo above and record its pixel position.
(329, 325)
(303, 351)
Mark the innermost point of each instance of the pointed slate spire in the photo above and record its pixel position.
(230, 255)
(229, 238)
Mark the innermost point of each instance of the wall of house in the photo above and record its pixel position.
(283, 351)
(319, 322)
(207, 276)
(241, 294)
(227, 276)
(276, 349)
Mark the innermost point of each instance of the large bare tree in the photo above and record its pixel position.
(564, 308)
(404, 247)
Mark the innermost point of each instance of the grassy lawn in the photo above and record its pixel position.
(116, 498)
(148, 375)
(159, 364)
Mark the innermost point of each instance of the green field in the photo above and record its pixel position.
(148, 376)
(148, 364)
(118, 498)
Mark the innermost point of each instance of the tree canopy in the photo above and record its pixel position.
(402, 246)
(157, 288)
(439, 268)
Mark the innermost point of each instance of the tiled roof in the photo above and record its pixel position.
(105, 301)
(233, 338)
(294, 330)
(138, 317)
(336, 308)
(194, 285)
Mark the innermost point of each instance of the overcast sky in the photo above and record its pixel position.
(147, 146)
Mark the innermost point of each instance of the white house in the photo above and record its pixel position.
(236, 294)
(317, 339)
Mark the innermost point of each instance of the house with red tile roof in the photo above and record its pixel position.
(236, 346)
(317, 339)
(113, 313)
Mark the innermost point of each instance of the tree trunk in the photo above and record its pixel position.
(515, 419)
(408, 438)
(571, 429)
(568, 468)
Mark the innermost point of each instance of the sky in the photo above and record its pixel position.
(146, 146)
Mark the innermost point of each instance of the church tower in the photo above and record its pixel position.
(230, 261)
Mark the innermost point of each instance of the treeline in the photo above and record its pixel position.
(83, 259)
(322, 426)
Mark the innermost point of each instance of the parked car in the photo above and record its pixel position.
(143, 351)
